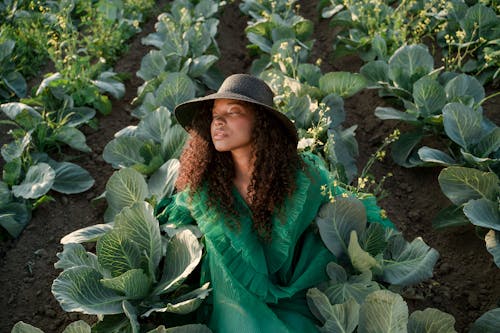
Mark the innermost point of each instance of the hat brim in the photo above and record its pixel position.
(185, 112)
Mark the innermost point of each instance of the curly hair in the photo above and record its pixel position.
(272, 180)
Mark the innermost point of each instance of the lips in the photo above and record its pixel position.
(219, 135)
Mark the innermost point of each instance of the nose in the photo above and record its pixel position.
(218, 121)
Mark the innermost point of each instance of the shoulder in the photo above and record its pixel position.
(314, 166)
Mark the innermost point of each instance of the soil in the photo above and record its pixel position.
(466, 282)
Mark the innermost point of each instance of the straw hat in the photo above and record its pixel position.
(241, 87)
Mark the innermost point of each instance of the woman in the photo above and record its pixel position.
(254, 198)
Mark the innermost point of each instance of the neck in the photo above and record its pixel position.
(243, 165)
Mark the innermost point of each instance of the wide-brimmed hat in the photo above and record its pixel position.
(241, 87)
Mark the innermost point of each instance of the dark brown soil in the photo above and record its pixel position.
(466, 282)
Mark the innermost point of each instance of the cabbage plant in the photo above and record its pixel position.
(470, 39)
(29, 173)
(82, 327)
(373, 249)
(443, 104)
(147, 146)
(369, 258)
(136, 270)
(139, 267)
(12, 82)
(476, 199)
(185, 42)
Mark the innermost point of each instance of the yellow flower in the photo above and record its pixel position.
(461, 34)
(383, 214)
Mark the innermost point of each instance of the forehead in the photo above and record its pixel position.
(223, 104)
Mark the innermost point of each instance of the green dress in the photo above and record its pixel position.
(258, 286)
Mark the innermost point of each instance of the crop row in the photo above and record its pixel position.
(442, 103)
(83, 37)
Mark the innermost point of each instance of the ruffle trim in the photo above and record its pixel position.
(244, 255)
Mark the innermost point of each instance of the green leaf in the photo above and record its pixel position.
(490, 143)
(107, 83)
(402, 151)
(335, 318)
(408, 64)
(87, 234)
(482, 20)
(77, 327)
(13, 110)
(76, 255)
(463, 87)
(73, 138)
(385, 113)
(15, 150)
(134, 284)
(462, 184)
(175, 89)
(201, 64)
(131, 313)
(79, 289)
(47, 82)
(379, 46)
(262, 42)
(483, 213)
(183, 255)
(375, 72)
(138, 224)
(155, 125)
(38, 181)
(431, 321)
(344, 84)
(191, 328)
(5, 195)
(360, 259)
(6, 48)
(12, 171)
(373, 239)
(408, 263)
(336, 221)
(152, 65)
(431, 155)
(487, 323)
(14, 216)
(162, 182)
(340, 289)
(77, 116)
(462, 124)
(383, 311)
(124, 188)
(22, 327)
(185, 304)
(16, 82)
(492, 240)
(429, 95)
(451, 216)
(71, 178)
(173, 142)
(124, 151)
(118, 254)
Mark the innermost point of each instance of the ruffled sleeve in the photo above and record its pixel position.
(174, 210)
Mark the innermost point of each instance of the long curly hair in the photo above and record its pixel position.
(272, 180)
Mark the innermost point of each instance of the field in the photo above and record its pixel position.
(465, 281)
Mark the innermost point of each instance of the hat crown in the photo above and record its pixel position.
(249, 86)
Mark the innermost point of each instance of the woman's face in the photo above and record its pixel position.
(232, 125)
